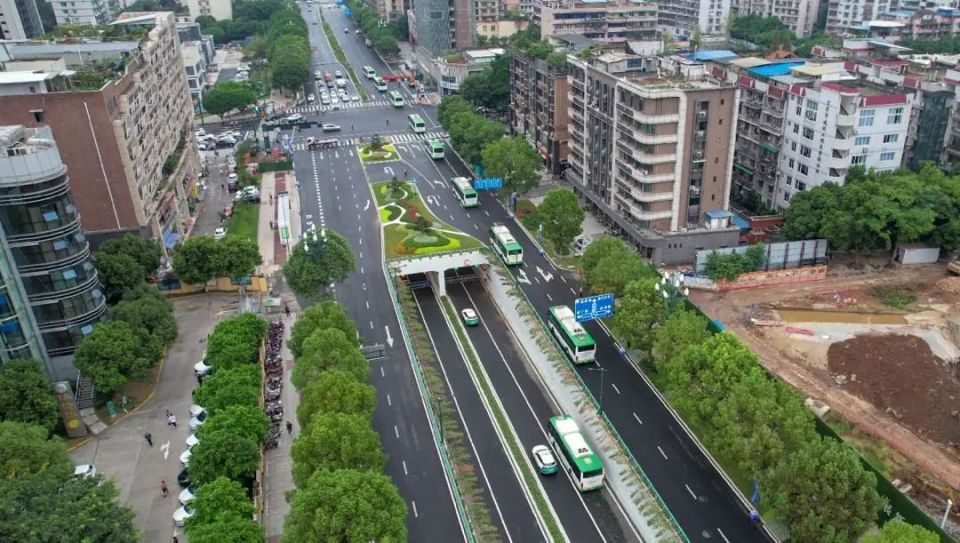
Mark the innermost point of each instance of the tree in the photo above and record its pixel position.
(115, 352)
(239, 256)
(561, 217)
(598, 249)
(682, 329)
(515, 161)
(227, 96)
(452, 105)
(824, 494)
(898, 531)
(641, 309)
(224, 455)
(226, 528)
(238, 386)
(316, 263)
(326, 314)
(335, 391)
(118, 273)
(219, 499)
(147, 252)
(58, 508)
(197, 260)
(150, 313)
(336, 441)
(26, 394)
(696, 40)
(490, 87)
(347, 505)
(614, 272)
(236, 341)
(27, 449)
(246, 421)
(328, 349)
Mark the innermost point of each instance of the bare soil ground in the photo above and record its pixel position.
(905, 391)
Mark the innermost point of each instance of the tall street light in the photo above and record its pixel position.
(602, 371)
(672, 289)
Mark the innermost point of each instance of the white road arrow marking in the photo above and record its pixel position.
(522, 277)
(367, 206)
(166, 450)
(388, 170)
(546, 276)
(389, 339)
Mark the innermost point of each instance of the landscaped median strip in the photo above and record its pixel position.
(342, 59)
(547, 515)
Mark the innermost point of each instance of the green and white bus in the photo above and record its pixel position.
(435, 148)
(505, 245)
(577, 457)
(465, 193)
(381, 84)
(371, 73)
(417, 124)
(396, 98)
(577, 343)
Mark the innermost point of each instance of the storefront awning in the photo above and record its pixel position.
(170, 239)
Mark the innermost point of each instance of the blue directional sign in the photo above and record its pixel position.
(593, 307)
(488, 183)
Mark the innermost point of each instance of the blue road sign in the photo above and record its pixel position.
(488, 183)
(348, 12)
(593, 307)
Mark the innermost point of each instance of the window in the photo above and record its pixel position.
(791, 163)
(808, 133)
(888, 156)
(858, 159)
(862, 140)
(891, 138)
(811, 106)
(793, 146)
(796, 129)
(895, 115)
(789, 180)
(866, 117)
(805, 151)
(801, 186)
(37, 115)
(803, 169)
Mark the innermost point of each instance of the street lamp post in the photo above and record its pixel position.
(672, 289)
(602, 371)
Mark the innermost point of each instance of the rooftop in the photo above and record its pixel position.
(775, 69)
(26, 50)
(12, 78)
(712, 55)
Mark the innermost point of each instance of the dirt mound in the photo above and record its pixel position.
(949, 284)
(900, 375)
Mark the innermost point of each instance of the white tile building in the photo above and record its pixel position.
(844, 14)
(88, 12)
(680, 17)
(799, 15)
(221, 10)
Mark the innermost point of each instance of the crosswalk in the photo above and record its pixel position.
(314, 108)
(301, 145)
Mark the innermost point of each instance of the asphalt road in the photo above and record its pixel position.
(322, 57)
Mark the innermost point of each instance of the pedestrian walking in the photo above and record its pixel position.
(289, 427)
(149, 438)
(175, 540)
(223, 187)
(163, 488)
(286, 309)
(167, 413)
(172, 420)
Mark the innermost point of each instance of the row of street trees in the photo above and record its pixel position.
(227, 455)
(288, 50)
(199, 259)
(384, 37)
(248, 20)
(342, 494)
(755, 426)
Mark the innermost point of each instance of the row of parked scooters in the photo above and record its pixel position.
(273, 386)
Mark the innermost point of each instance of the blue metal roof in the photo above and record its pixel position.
(712, 54)
(773, 70)
(717, 213)
(740, 221)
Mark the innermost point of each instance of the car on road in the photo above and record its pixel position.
(318, 75)
(330, 127)
(192, 440)
(346, 30)
(544, 459)
(202, 146)
(183, 478)
(355, 98)
(220, 232)
(311, 98)
(295, 118)
(185, 458)
(201, 368)
(325, 100)
(470, 317)
(196, 409)
(85, 470)
(198, 421)
(181, 515)
(187, 494)
(338, 74)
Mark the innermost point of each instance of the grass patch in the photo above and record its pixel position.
(390, 213)
(342, 58)
(514, 448)
(897, 297)
(244, 221)
(389, 153)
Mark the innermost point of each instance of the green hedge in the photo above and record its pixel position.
(275, 166)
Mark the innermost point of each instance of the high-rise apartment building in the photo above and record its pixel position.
(600, 20)
(681, 17)
(19, 19)
(85, 12)
(127, 137)
(50, 295)
(845, 14)
(221, 10)
(651, 148)
(800, 15)
(539, 101)
(443, 25)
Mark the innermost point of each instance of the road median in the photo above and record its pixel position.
(342, 58)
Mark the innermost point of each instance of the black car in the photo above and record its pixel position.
(183, 479)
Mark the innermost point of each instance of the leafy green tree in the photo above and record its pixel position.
(115, 352)
(898, 531)
(824, 494)
(315, 264)
(696, 40)
(26, 394)
(328, 349)
(682, 329)
(452, 105)
(515, 161)
(615, 271)
(238, 386)
(224, 455)
(290, 72)
(247, 421)
(118, 273)
(326, 314)
(640, 311)
(336, 392)
(27, 449)
(470, 134)
(561, 217)
(57, 508)
(146, 251)
(197, 260)
(347, 505)
(808, 211)
(219, 499)
(490, 87)
(153, 314)
(227, 528)
(227, 96)
(598, 249)
(240, 256)
(336, 441)
(236, 341)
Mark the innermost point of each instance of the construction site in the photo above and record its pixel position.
(874, 349)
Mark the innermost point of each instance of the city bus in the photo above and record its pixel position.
(584, 467)
(371, 73)
(435, 148)
(505, 245)
(396, 98)
(465, 193)
(575, 341)
(417, 124)
(381, 84)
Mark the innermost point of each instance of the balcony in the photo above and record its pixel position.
(646, 158)
(647, 119)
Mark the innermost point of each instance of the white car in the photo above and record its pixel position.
(201, 368)
(311, 98)
(295, 118)
(192, 441)
(330, 127)
(187, 495)
(220, 233)
(543, 458)
(355, 98)
(181, 515)
(85, 470)
(196, 410)
(185, 458)
(232, 177)
(198, 421)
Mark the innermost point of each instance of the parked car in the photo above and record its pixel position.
(224, 144)
(201, 368)
(311, 98)
(183, 478)
(192, 440)
(196, 409)
(181, 515)
(543, 458)
(185, 458)
(295, 118)
(85, 470)
(355, 98)
(220, 232)
(470, 317)
(330, 127)
(338, 74)
(187, 494)
(198, 421)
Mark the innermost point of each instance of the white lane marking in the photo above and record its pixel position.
(381, 372)
(396, 431)
(546, 275)
(405, 472)
(166, 450)
(475, 227)
(719, 531)
(615, 389)
(692, 493)
(361, 270)
(522, 277)
(665, 458)
(485, 212)
(367, 206)
(573, 291)
(368, 304)
(417, 515)
(549, 297)
(389, 402)
(637, 418)
(564, 279)
(389, 338)
(371, 325)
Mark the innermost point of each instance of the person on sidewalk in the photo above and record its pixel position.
(149, 438)
(286, 309)
(163, 488)
(289, 427)
(172, 420)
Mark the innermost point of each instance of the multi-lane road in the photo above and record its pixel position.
(334, 193)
